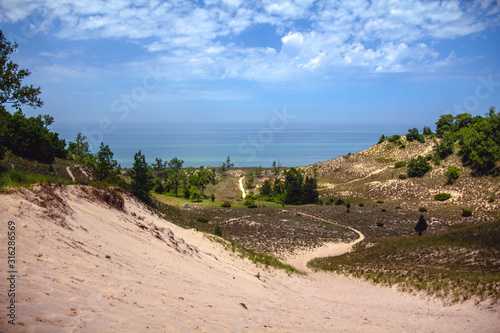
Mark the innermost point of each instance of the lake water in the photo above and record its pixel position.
(248, 144)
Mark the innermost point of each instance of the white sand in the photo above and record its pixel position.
(183, 283)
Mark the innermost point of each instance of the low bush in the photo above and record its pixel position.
(403, 176)
(380, 201)
(466, 212)
(442, 196)
(218, 230)
(394, 138)
(202, 219)
(422, 209)
(225, 204)
(400, 164)
(380, 224)
(339, 202)
(250, 204)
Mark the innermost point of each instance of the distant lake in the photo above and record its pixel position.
(248, 144)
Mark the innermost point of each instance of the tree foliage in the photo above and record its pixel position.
(142, 179)
(12, 91)
(413, 134)
(480, 143)
(452, 174)
(418, 167)
(79, 150)
(299, 189)
(104, 164)
(30, 138)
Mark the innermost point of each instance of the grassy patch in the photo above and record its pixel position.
(15, 178)
(455, 265)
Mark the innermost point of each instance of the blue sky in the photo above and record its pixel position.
(404, 62)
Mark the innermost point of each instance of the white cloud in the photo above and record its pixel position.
(317, 37)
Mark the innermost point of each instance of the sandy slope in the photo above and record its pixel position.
(84, 266)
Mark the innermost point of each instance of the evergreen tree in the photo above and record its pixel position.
(310, 193)
(142, 179)
(266, 189)
(104, 165)
(293, 186)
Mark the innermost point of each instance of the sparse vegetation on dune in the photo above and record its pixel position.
(456, 265)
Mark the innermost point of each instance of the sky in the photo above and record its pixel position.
(122, 61)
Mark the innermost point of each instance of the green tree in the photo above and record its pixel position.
(30, 138)
(382, 139)
(452, 174)
(310, 193)
(249, 180)
(412, 134)
(421, 225)
(195, 194)
(104, 165)
(418, 167)
(293, 186)
(266, 189)
(12, 91)
(445, 123)
(427, 131)
(142, 178)
(445, 147)
(176, 175)
(79, 150)
(480, 143)
(229, 165)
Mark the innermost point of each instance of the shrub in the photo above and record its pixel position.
(400, 164)
(466, 212)
(418, 167)
(384, 210)
(218, 230)
(202, 219)
(442, 196)
(339, 202)
(225, 204)
(361, 204)
(398, 207)
(394, 138)
(380, 224)
(380, 201)
(403, 176)
(452, 174)
(250, 204)
(422, 209)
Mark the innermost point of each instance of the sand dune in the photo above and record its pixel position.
(86, 265)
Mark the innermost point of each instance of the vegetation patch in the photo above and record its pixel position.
(455, 265)
(442, 196)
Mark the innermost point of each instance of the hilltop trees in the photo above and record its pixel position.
(26, 137)
(480, 142)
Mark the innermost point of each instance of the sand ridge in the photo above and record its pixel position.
(87, 266)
